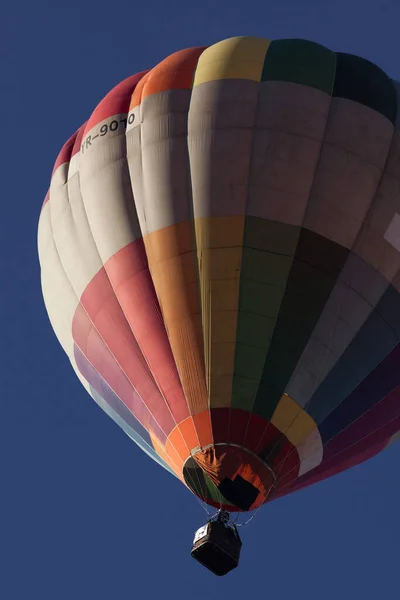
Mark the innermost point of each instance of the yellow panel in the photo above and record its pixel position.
(235, 58)
(292, 420)
(221, 390)
(219, 232)
(225, 295)
(219, 243)
(223, 327)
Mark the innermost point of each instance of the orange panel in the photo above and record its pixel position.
(136, 97)
(173, 266)
(189, 433)
(176, 439)
(159, 448)
(202, 422)
(175, 457)
(173, 73)
(169, 241)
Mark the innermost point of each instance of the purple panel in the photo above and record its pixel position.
(378, 417)
(383, 380)
(128, 396)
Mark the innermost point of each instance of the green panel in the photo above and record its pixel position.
(254, 330)
(270, 236)
(316, 267)
(244, 391)
(300, 61)
(266, 267)
(360, 80)
(249, 361)
(260, 298)
(266, 261)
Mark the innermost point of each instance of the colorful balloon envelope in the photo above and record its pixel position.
(220, 255)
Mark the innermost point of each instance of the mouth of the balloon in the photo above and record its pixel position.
(229, 476)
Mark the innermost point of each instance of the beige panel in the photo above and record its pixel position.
(106, 190)
(59, 297)
(291, 120)
(377, 243)
(71, 231)
(395, 438)
(160, 178)
(158, 161)
(73, 165)
(310, 452)
(351, 302)
(221, 118)
(349, 171)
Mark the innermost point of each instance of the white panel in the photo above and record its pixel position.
(158, 161)
(310, 452)
(349, 171)
(395, 438)
(345, 313)
(72, 235)
(59, 298)
(290, 126)
(106, 188)
(392, 233)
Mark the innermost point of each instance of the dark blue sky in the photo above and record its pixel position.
(84, 514)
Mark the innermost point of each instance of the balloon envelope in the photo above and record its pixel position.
(220, 254)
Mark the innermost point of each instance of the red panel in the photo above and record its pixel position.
(202, 422)
(65, 152)
(220, 424)
(116, 102)
(238, 425)
(132, 285)
(316, 475)
(356, 454)
(280, 455)
(93, 348)
(107, 317)
(255, 431)
(288, 470)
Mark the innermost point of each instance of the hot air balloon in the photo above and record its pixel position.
(220, 255)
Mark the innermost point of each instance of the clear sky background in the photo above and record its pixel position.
(84, 515)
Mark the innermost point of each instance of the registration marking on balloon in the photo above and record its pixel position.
(116, 126)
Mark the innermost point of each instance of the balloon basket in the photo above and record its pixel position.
(217, 545)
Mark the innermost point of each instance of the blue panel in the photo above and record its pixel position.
(379, 335)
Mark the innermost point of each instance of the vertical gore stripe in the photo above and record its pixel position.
(300, 61)
(360, 80)
(235, 58)
(316, 267)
